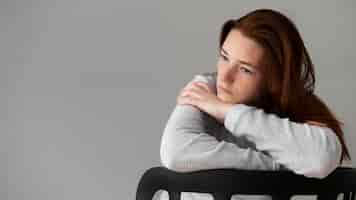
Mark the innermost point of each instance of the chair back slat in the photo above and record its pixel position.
(174, 195)
(221, 196)
(349, 195)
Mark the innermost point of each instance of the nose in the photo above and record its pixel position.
(226, 75)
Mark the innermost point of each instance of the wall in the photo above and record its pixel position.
(87, 86)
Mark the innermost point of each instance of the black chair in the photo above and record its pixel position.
(223, 183)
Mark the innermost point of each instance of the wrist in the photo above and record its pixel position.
(224, 110)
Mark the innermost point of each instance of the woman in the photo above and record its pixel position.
(258, 111)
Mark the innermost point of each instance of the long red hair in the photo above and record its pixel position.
(288, 70)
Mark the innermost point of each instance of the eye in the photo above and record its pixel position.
(244, 69)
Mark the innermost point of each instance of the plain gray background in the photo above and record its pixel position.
(87, 86)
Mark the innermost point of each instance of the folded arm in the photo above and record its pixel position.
(186, 146)
(310, 150)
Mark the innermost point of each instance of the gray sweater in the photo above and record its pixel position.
(249, 139)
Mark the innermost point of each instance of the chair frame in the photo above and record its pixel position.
(223, 183)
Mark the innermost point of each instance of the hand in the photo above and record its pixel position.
(200, 95)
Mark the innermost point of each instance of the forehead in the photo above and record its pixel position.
(241, 48)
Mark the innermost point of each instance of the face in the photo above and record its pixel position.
(239, 69)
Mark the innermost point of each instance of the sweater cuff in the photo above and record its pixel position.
(233, 116)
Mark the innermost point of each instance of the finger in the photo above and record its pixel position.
(192, 92)
(194, 89)
(192, 84)
(183, 94)
(202, 85)
(186, 100)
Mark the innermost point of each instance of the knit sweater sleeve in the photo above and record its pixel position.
(186, 146)
(309, 150)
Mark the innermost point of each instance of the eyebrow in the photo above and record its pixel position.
(240, 61)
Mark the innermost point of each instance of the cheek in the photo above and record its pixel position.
(245, 91)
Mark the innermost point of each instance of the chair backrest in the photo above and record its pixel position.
(228, 182)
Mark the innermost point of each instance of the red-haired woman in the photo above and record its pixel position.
(257, 111)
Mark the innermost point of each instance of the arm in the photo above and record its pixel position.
(186, 146)
(311, 150)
